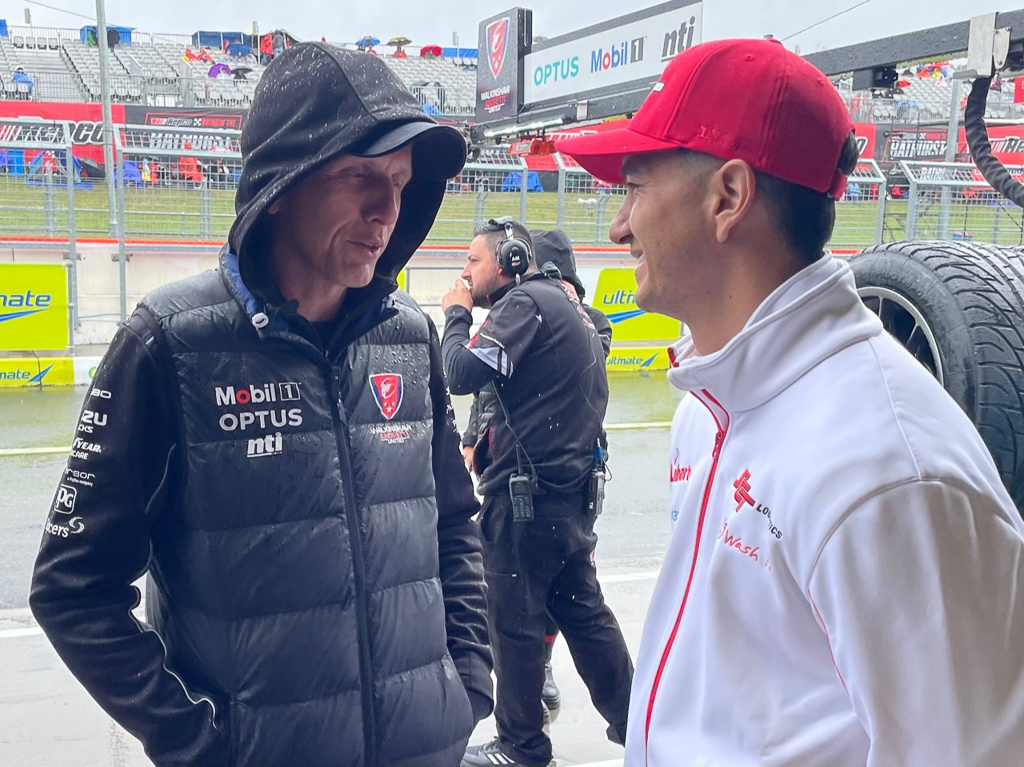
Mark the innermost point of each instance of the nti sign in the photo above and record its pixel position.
(623, 50)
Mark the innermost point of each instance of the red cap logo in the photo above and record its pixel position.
(497, 38)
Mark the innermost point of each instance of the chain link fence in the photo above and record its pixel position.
(39, 178)
(951, 201)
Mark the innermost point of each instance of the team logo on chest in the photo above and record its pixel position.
(387, 391)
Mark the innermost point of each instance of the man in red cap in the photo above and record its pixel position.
(845, 580)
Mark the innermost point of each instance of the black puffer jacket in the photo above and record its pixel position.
(315, 581)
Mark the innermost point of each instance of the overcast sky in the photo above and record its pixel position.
(434, 21)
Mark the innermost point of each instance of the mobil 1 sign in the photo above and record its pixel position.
(625, 50)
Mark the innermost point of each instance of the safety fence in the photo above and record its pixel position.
(952, 201)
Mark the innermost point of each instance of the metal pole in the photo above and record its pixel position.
(523, 192)
(911, 225)
(560, 214)
(108, 122)
(880, 220)
(952, 135)
(72, 235)
(121, 258)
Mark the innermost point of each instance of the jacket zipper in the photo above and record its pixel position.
(722, 421)
(323, 357)
(358, 570)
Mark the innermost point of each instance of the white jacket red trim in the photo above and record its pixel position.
(845, 579)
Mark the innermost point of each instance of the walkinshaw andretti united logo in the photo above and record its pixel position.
(497, 42)
(387, 391)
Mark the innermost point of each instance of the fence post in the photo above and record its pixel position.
(69, 162)
(560, 211)
(49, 200)
(880, 218)
(478, 209)
(602, 202)
(204, 208)
(524, 192)
(911, 225)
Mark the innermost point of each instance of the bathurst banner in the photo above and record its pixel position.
(87, 123)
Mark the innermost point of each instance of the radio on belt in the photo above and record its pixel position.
(521, 490)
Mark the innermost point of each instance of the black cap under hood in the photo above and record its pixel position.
(316, 102)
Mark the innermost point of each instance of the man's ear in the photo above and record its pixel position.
(731, 190)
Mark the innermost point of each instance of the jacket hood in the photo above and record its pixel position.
(553, 247)
(316, 102)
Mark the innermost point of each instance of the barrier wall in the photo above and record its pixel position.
(639, 344)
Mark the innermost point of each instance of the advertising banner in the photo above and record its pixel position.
(637, 359)
(21, 372)
(630, 48)
(503, 40)
(33, 307)
(616, 289)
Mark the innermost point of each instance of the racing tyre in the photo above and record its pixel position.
(959, 309)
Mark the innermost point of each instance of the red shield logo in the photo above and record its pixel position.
(497, 37)
(387, 391)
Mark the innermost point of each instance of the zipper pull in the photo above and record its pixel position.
(719, 439)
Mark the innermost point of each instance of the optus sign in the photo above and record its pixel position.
(616, 297)
(33, 307)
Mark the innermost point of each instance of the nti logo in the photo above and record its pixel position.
(617, 56)
(25, 303)
(272, 444)
(256, 394)
(679, 40)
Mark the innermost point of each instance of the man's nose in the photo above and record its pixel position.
(619, 232)
(386, 205)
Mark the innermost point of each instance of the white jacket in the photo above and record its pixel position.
(845, 580)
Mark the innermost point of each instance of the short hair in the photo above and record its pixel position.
(494, 231)
(804, 218)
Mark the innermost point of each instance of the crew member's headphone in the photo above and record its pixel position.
(513, 254)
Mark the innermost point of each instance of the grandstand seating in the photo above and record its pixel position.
(152, 70)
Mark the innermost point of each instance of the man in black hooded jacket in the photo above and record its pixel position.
(274, 444)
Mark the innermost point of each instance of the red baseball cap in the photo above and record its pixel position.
(748, 100)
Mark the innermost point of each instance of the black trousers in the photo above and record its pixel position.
(540, 568)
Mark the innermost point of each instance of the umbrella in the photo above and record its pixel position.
(430, 51)
(218, 69)
(368, 41)
(399, 40)
(241, 72)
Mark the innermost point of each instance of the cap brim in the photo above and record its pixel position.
(440, 150)
(601, 154)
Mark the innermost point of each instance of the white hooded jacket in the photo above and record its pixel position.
(845, 579)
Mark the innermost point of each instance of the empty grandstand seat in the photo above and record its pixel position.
(19, 41)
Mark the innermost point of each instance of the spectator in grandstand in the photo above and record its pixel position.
(20, 77)
(273, 442)
(277, 40)
(845, 578)
(190, 170)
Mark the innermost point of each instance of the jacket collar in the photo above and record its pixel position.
(503, 291)
(813, 315)
(268, 311)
